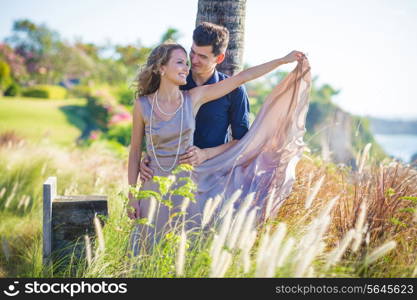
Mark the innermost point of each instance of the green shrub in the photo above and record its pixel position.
(5, 79)
(80, 91)
(125, 95)
(99, 111)
(13, 90)
(46, 91)
(120, 133)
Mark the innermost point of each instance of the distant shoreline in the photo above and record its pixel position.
(402, 146)
(393, 126)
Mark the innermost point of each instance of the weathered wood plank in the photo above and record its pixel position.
(71, 220)
(66, 220)
(49, 193)
(81, 198)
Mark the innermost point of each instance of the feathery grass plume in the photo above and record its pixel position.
(225, 264)
(152, 209)
(12, 194)
(285, 252)
(359, 227)
(304, 264)
(6, 248)
(269, 203)
(358, 158)
(219, 269)
(266, 268)
(312, 236)
(219, 239)
(206, 212)
(2, 192)
(180, 259)
(380, 251)
(310, 272)
(312, 194)
(236, 194)
(209, 209)
(326, 153)
(246, 243)
(263, 245)
(276, 243)
(245, 257)
(364, 157)
(100, 236)
(27, 202)
(307, 157)
(184, 204)
(43, 170)
(97, 181)
(238, 220)
(244, 239)
(311, 243)
(21, 201)
(88, 252)
(336, 254)
(326, 211)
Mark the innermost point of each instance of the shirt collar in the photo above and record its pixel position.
(213, 79)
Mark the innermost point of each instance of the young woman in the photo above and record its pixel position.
(165, 116)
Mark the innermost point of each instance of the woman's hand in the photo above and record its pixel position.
(133, 207)
(293, 56)
(145, 172)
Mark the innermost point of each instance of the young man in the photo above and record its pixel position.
(213, 118)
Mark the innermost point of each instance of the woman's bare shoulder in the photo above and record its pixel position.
(194, 93)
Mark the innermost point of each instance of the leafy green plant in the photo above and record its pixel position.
(5, 79)
(13, 90)
(45, 91)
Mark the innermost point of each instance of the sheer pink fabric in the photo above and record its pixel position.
(264, 160)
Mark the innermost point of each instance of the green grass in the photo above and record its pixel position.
(388, 191)
(62, 121)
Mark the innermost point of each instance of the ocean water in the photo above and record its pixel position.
(401, 146)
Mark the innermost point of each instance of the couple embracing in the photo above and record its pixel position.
(184, 117)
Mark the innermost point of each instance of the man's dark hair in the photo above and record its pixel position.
(207, 34)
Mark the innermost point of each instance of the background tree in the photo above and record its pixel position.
(231, 14)
(171, 34)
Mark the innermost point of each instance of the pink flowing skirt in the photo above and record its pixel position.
(263, 162)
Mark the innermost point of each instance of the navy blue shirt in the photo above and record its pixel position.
(213, 118)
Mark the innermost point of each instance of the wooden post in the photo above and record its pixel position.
(49, 194)
(66, 219)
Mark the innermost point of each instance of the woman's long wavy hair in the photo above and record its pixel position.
(149, 77)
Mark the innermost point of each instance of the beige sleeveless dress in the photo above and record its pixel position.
(165, 138)
(262, 163)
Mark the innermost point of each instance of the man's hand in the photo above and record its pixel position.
(193, 156)
(145, 172)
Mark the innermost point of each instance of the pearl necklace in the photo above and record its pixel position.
(179, 142)
(165, 113)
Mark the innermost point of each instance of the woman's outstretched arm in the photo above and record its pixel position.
(138, 132)
(206, 93)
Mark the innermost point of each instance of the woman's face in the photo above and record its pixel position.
(176, 70)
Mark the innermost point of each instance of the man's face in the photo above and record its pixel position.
(202, 59)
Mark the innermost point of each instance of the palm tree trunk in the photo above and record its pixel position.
(231, 14)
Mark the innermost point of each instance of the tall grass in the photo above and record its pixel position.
(336, 222)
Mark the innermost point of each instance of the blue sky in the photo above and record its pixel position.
(366, 48)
